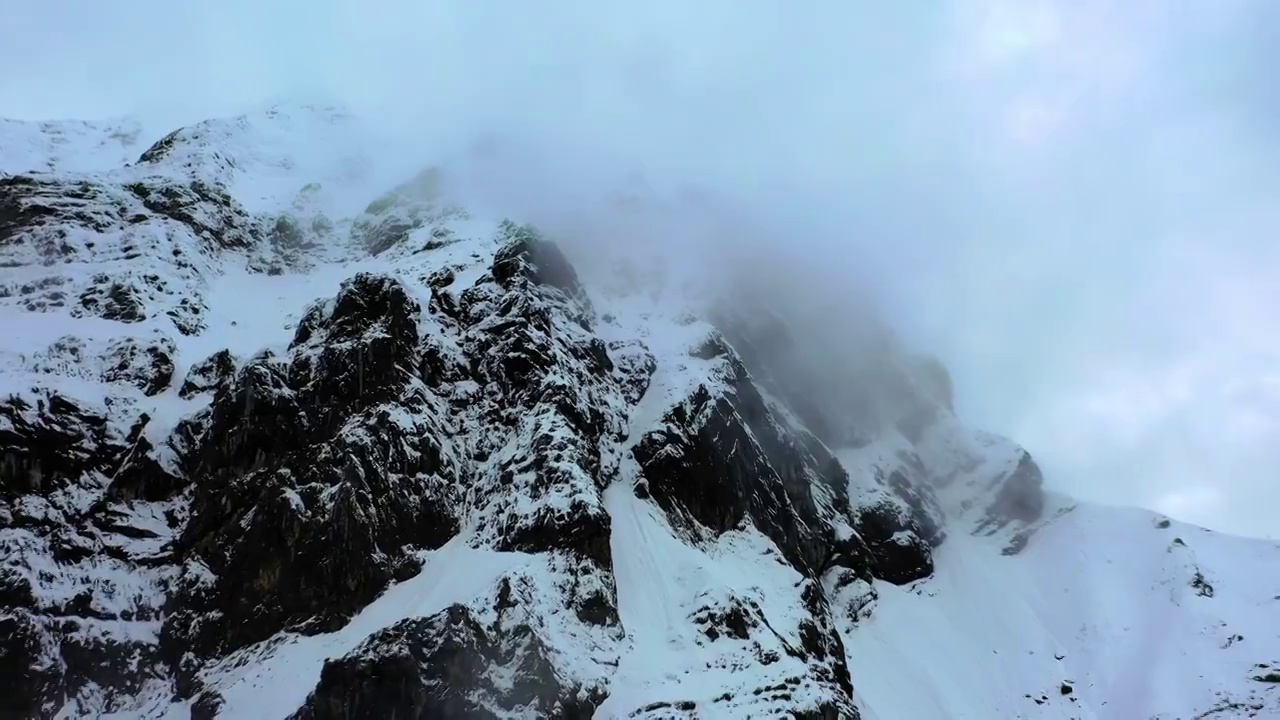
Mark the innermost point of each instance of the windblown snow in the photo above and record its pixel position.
(535, 543)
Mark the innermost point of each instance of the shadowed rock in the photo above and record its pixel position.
(209, 375)
(1020, 497)
(147, 364)
(315, 478)
(446, 666)
(721, 458)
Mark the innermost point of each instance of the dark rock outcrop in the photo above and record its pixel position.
(899, 521)
(547, 391)
(721, 458)
(446, 666)
(49, 442)
(898, 554)
(479, 391)
(206, 208)
(31, 679)
(1019, 496)
(146, 364)
(149, 238)
(527, 255)
(872, 390)
(36, 211)
(81, 619)
(209, 375)
(315, 478)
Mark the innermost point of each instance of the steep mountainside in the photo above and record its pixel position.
(275, 444)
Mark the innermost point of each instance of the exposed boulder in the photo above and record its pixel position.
(112, 300)
(897, 516)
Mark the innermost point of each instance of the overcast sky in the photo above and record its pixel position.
(1072, 202)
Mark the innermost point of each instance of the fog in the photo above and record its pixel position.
(1070, 202)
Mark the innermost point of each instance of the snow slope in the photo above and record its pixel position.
(1102, 601)
(71, 146)
(626, 519)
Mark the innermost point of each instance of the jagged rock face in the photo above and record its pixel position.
(29, 675)
(457, 397)
(722, 459)
(59, 218)
(355, 353)
(364, 460)
(90, 488)
(51, 444)
(118, 223)
(544, 385)
(40, 212)
(445, 666)
(205, 208)
(78, 596)
(212, 374)
(309, 538)
(338, 448)
(526, 256)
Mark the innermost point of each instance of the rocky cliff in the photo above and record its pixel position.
(262, 459)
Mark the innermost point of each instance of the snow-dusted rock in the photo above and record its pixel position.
(337, 448)
(448, 665)
(275, 442)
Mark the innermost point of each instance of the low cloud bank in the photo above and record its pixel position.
(1070, 203)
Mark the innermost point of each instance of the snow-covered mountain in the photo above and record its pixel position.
(278, 439)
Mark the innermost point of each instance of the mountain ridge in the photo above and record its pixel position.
(337, 450)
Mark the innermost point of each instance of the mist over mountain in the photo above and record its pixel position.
(659, 360)
(1069, 203)
(282, 437)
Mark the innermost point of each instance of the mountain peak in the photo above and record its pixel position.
(283, 437)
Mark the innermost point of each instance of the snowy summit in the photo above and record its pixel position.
(281, 437)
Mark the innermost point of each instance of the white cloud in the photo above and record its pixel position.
(1070, 200)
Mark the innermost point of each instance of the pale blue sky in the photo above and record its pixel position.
(1070, 201)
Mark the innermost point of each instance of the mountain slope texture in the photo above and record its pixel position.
(279, 439)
